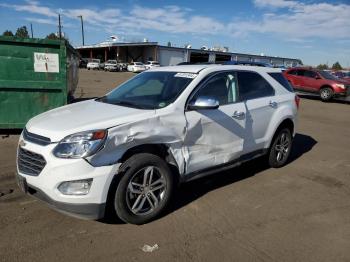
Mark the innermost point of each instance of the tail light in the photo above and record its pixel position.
(297, 101)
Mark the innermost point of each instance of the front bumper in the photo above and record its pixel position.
(45, 185)
(91, 211)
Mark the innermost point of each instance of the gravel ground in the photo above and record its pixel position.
(300, 212)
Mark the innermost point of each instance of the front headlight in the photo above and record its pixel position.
(340, 86)
(81, 144)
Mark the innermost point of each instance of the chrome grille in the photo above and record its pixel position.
(30, 163)
(36, 139)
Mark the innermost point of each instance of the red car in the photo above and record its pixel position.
(317, 81)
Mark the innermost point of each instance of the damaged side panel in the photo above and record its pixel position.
(169, 130)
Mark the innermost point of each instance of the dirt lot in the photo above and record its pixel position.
(300, 212)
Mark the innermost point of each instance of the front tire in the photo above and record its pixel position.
(326, 94)
(144, 190)
(280, 148)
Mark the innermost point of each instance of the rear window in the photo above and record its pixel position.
(279, 77)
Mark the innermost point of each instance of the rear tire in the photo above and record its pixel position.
(144, 190)
(280, 148)
(326, 94)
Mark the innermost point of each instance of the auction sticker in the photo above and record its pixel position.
(46, 62)
(186, 75)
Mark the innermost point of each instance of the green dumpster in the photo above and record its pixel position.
(36, 75)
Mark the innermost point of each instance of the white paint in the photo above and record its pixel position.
(46, 63)
(196, 139)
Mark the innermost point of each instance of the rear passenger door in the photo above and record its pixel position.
(259, 99)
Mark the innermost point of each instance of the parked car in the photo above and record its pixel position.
(151, 64)
(136, 67)
(317, 81)
(128, 149)
(83, 62)
(93, 64)
(345, 75)
(122, 66)
(111, 66)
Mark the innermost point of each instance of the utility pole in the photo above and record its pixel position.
(31, 29)
(82, 28)
(59, 27)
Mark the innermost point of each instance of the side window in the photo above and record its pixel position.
(301, 72)
(252, 86)
(292, 72)
(310, 74)
(279, 77)
(222, 87)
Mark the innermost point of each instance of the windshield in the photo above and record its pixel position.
(327, 75)
(95, 61)
(149, 90)
(138, 63)
(111, 62)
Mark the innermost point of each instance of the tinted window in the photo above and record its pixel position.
(310, 74)
(252, 85)
(301, 72)
(222, 87)
(282, 80)
(292, 72)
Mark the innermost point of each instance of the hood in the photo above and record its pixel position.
(83, 116)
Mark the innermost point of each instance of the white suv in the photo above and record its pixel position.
(93, 64)
(127, 150)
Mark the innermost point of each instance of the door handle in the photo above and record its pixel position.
(238, 114)
(273, 104)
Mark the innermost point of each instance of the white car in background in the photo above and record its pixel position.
(151, 64)
(127, 150)
(111, 66)
(136, 67)
(93, 64)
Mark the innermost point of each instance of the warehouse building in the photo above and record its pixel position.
(166, 55)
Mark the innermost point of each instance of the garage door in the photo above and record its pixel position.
(170, 57)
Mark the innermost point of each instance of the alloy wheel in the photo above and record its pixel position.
(325, 93)
(145, 190)
(282, 147)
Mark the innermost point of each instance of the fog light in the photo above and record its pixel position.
(78, 187)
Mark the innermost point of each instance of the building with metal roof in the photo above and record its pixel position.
(168, 55)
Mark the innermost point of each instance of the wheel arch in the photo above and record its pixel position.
(326, 86)
(161, 150)
(286, 122)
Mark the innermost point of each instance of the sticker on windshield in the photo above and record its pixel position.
(186, 75)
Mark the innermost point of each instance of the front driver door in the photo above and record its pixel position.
(215, 136)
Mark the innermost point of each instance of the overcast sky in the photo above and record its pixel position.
(314, 31)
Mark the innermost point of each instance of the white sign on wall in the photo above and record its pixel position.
(46, 62)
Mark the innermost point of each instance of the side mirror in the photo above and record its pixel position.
(317, 77)
(203, 102)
